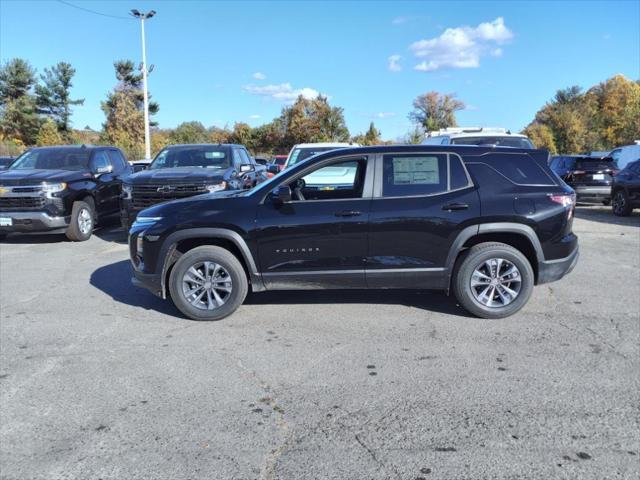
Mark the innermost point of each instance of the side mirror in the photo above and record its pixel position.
(282, 194)
(246, 168)
(103, 170)
(273, 168)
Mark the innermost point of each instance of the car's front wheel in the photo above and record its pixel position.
(82, 221)
(493, 280)
(620, 204)
(208, 283)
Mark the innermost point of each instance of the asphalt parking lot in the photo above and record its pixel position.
(99, 379)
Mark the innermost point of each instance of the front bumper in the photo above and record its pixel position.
(598, 193)
(553, 270)
(150, 281)
(33, 222)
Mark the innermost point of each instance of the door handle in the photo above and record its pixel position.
(348, 213)
(455, 206)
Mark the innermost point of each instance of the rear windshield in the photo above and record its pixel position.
(514, 142)
(300, 154)
(204, 157)
(53, 159)
(594, 164)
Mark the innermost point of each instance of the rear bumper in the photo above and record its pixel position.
(552, 270)
(33, 222)
(601, 193)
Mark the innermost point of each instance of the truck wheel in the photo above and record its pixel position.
(620, 204)
(82, 221)
(208, 283)
(493, 280)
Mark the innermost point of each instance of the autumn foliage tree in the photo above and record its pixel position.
(434, 110)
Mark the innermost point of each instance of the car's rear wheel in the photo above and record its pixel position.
(493, 280)
(82, 221)
(208, 283)
(620, 204)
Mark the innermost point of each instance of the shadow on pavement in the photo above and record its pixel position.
(605, 215)
(114, 280)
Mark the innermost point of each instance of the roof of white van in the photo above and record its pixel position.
(473, 132)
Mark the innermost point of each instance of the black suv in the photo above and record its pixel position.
(61, 189)
(625, 190)
(489, 223)
(181, 171)
(590, 177)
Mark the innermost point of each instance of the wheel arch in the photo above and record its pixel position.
(184, 240)
(522, 237)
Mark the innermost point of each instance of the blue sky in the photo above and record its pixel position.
(221, 62)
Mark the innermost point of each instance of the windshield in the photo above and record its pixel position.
(53, 159)
(205, 157)
(300, 154)
(514, 142)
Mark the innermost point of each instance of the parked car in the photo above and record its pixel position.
(5, 162)
(625, 190)
(139, 165)
(624, 155)
(483, 136)
(590, 177)
(61, 189)
(487, 223)
(302, 151)
(279, 161)
(181, 171)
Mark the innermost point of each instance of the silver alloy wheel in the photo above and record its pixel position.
(496, 282)
(619, 202)
(85, 221)
(206, 285)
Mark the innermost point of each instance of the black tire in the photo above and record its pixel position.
(620, 204)
(75, 232)
(225, 259)
(474, 258)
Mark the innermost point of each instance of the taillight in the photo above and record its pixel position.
(567, 200)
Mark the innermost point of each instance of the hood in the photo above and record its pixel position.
(178, 175)
(214, 201)
(34, 176)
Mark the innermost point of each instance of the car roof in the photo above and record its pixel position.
(72, 147)
(460, 132)
(187, 145)
(469, 150)
(325, 144)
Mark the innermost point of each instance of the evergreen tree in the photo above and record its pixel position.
(19, 121)
(53, 96)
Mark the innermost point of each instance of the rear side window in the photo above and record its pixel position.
(520, 169)
(458, 176)
(411, 175)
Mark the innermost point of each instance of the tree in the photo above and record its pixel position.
(19, 120)
(49, 134)
(414, 137)
(312, 120)
(371, 137)
(53, 96)
(131, 82)
(189, 132)
(434, 111)
(541, 136)
(124, 127)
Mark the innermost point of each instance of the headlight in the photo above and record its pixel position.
(216, 187)
(146, 220)
(126, 191)
(51, 188)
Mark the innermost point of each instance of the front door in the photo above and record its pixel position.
(422, 201)
(319, 238)
(107, 184)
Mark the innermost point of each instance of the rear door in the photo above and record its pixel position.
(108, 185)
(421, 203)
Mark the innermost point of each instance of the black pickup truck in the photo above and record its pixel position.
(61, 189)
(181, 171)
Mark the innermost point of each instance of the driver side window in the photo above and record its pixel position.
(100, 160)
(339, 180)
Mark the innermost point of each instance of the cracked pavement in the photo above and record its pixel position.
(99, 379)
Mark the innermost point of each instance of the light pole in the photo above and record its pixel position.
(147, 138)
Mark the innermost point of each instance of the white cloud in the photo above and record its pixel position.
(394, 63)
(401, 20)
(255, 116)
(381, 115)
(259, 76)
(461, 47)
(283, 92)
